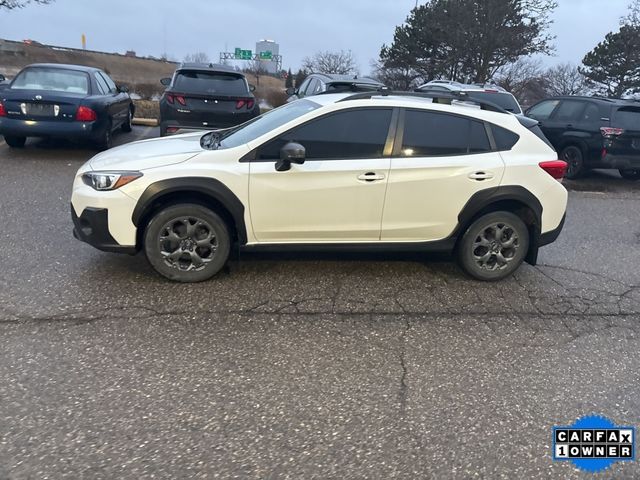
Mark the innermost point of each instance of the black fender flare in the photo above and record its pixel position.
(209, 187)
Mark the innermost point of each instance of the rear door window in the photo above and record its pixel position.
(591, 113)
(432, 134)
(110, 83)
(103, 88)
(210, 83)
(569, 111)
(627, 118)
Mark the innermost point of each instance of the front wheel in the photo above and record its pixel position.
(575, 161)
(630, 173)
(187, 243)
(494, 246)
(15, 142)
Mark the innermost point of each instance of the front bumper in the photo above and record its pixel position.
(43, 128)
(92, 227)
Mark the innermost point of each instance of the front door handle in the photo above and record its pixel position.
(371, 177)
(481, 176)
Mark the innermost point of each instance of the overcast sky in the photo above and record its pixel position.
(300, 27)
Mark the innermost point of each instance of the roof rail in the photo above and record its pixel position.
(457, 96)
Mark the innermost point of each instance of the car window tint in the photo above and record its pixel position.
(591, 113)
(352, 134)
(627, 118)
(569, 110)
(478, 139)
(429, 134)
(543, 110)
(110, 83)
(103, 88)
(209, 83)
(52, 79)
(505, 139)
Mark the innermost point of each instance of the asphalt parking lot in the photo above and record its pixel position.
(302, 365)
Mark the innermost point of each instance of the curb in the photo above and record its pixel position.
(147, 122)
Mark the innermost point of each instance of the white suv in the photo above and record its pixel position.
(367, 170)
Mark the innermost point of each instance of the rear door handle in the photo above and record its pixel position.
(371, 177)
(480, 176)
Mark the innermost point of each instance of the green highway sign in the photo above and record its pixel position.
(266, 55)
(241, 54)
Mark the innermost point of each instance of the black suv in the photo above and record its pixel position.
(205, 97)
(318, 83)
(592, 132)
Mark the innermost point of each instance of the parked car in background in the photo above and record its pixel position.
(592, 132)
(3, 81)
(485, 92)
(318, 83)
(205, 97)
(317, 173)
(64, 101)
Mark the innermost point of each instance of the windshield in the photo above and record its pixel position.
(504, 100)
(266, 123)
(206, 83)
(52, 79)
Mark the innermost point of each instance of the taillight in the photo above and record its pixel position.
(245, 102)
(556, 168)
(85, 114)
(176, 98)
(609, 132)
(3, 112)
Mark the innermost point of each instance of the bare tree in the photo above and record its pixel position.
(258, 68)
(566, 79)
(524, 78)
(633, 17)
(397, 77)
(342, 63)
(198, 57)
(12, 4)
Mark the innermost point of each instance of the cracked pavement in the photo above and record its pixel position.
(307, 365)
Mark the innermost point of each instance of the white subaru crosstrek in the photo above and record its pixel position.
(368, 170)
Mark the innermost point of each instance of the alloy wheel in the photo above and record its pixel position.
(495, 247)
(187, 243)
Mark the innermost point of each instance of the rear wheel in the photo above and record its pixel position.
(106, 141)
(15, 142)
(126, 126)
(494, 246)
(630, 173)
(187, 243)
(575, 160)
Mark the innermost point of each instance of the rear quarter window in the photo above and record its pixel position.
(627, 118)
(505, 139)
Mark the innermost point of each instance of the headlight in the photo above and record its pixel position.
(109, 180)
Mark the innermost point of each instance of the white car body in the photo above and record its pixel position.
(413, 200)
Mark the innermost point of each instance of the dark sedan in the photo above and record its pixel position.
(63, 101)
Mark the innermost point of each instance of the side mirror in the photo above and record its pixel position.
(291, 91)
(2, 78)
(123, 89)
(290, 153)
(166, 81)
(252, 88)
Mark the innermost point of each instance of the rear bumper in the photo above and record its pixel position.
(92, 227)
(623, 162)
(44, 128)
(552, 235)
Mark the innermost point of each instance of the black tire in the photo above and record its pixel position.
(106, 141)
(630, 173)
(170, 243)
(574, 156)
(485, 257)
(15, 142)
(126, 126)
